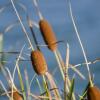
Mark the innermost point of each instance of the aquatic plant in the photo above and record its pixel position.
(49, 89)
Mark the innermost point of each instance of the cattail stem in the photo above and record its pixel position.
(61, 66)
(53, 85)
(46, 88)
(59, 63)
(83, 50)
(66, 72)
(38, 10)
(34, 37)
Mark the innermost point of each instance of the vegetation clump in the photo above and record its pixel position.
(49, 89)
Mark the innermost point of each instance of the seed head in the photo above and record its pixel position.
(48, 34)
(93, 93)
(38, 62)
(16, 95)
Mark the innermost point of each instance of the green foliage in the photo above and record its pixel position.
(71, 91)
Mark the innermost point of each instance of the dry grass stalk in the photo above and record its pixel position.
(53, 85)
(93, 93)
(38, 62)
(48, 34)
(80, 42)
(22, 25)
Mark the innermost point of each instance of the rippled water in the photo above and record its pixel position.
(87, 19)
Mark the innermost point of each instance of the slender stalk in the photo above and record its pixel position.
(61, 66)
(12, 84)
(27, 84)
(37, 8)
(53, 85)
(34, 37)
(40, 97)
(59, 63)
(21, 82)
(39, 85)
(24, 30)
(66, 72)
(32, 80)
(46, 88)
(19, 74)
(89, 62)
(79, 39)
(9, 79)
(5, 90)
(6, 75)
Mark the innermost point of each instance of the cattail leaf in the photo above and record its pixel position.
(71, 89)
(85, 92)
(45, 85)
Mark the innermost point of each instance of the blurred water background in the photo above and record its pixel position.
(87, 17)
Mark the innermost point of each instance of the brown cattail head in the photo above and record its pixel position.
(16, 95)
(93, 93)
(48, 34)
(38, 62)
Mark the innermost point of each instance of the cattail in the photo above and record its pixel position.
(93, 93)
(38, 62)
(16, 95)
(48, 34)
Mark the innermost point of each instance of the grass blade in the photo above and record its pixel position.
(71, 91)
